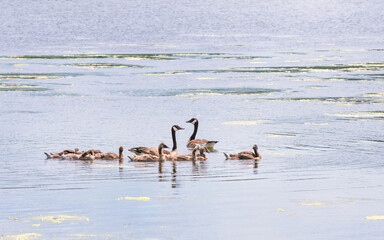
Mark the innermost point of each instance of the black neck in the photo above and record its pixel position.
(160, 151)
(256, 153)
(196, 125)
(174, 140)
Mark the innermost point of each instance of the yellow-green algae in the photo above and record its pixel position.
(375, 217)
(60, 218)
(24, 236)
(134, 198)
(244, 123)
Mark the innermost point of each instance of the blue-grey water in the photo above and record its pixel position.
(302, 79)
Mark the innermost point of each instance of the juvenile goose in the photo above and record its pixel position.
(114, 156)
(87, 156)
(200, 155)
(67, 151)
(192, 141)
(71, 156)
(189, 156)
(151, 157)
(52, 155)
(245, 154)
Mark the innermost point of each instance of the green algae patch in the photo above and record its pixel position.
(24, 236)
(134, 198)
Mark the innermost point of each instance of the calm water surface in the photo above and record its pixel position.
(302, 79)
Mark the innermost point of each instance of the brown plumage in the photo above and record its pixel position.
(193, 142)
(188, 157)
(245, 154)
(71, 156)
(151, 157)
(114, 156)
(87, 156)
(154, 150)
(52, 155)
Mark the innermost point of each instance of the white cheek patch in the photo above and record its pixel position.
(174, 129)
(194, 121)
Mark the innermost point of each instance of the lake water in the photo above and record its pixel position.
(302, 79)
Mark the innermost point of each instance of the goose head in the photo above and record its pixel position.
(163, 145)
(121, 149)
(193, 121)
(176, 128)
(255, 147)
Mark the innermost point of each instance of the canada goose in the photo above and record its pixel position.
(173, 154)
(146, 150)
(151, 157)
(99, 155)
(245, 154)
(87, 156)
(190, 156)
(192, 141)
(52, 155)
(154, 150)
(67, 151)
(200, 154)
(114, 156)
(71, 156)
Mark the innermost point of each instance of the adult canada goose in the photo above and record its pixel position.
(87, 156)
(192, 141)
(173, 154)
(154, 150)
(189, 157)
(114, 156)
(151, 157)
(245, 154)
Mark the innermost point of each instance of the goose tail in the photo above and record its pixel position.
(226, 156)
(211, 144)
(49, 155)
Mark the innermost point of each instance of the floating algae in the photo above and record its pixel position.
(374, 218)
(25, 236)
(60, 218)
(244, 123)
(134, 198)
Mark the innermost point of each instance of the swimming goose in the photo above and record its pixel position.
(200, 154)
(71, 156)
(151, 157)
(59, 154)
(245, 154)
(114, 156)
(173, 154)
(154, 150)
(192, 141)
(189, 156)
(52, 155)
(87, 156)
(67, 151)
